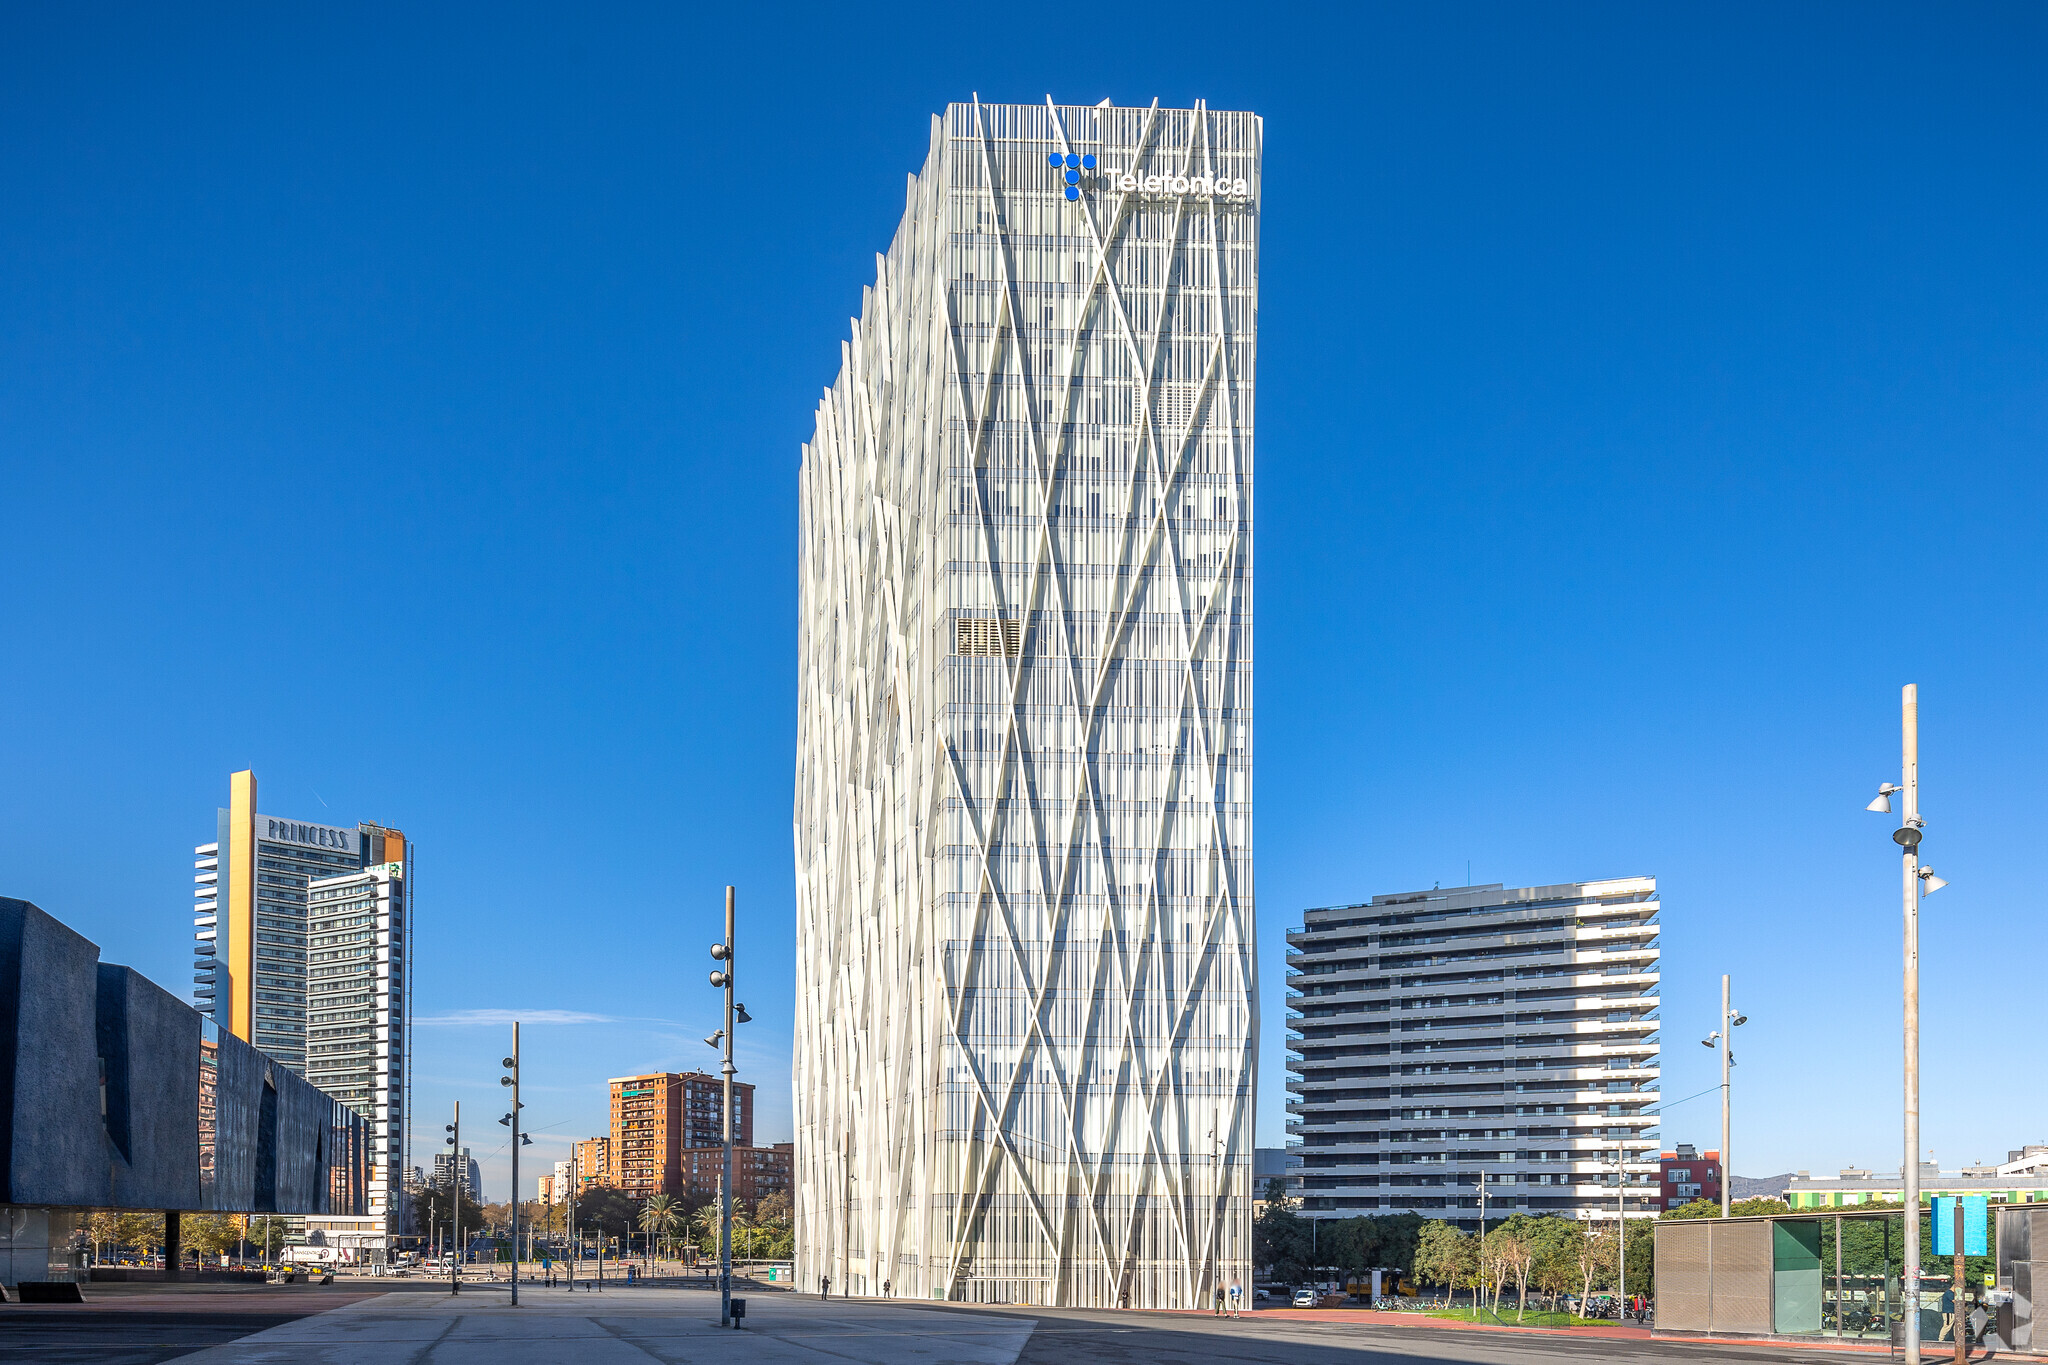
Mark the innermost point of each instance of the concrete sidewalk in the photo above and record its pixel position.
(673, 1326)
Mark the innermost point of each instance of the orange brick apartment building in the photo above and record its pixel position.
(756, 1171)
(659, 1117)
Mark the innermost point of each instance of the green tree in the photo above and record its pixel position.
(1642, 1256)
(266, 1236)
(1596, 1263)
(431, 1212)
(1445, 1256)
(1741, 1208)
(1280, 1237)
(208, 1234)
(705, 1221)
(101, 1227)
(1510, 1255)
(1556, 1243)
(141, 1233)
(605, 1212)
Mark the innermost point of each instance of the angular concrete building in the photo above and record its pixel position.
(115, 1095)
(1027, 1000)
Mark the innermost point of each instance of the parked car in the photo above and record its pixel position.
(1306, 1298)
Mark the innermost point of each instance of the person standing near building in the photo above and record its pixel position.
(1236, 1299)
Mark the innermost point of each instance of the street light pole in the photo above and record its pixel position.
(1727, 1159)
(1908, 838)
(511, 1121)
(1479, 1252)
(1621, 1227)
(569, 1217)
(455, 1179)
(722, 952)
(1912, 876)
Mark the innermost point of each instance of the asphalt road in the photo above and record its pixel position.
(1095, 1338)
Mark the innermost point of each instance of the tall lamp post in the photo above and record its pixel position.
(722, 977)
(519, 1140)
(1724, 1038)
(455, 1179)
(1907, 837)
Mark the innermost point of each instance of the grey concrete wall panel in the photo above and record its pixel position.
(242, 1073)
(58, 1149)
(67, 1022)
(151, 1042)
(304, 1115)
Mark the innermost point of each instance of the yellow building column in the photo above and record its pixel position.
(239, 869)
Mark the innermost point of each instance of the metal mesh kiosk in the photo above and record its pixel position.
(1835, 1274)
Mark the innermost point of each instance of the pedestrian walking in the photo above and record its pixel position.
(825, 1287)
(1236, 1299)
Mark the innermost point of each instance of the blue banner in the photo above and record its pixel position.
(1975, 1216)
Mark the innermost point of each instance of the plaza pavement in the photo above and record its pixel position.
(672, 1326)
(414, 1323)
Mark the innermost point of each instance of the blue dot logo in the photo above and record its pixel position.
(1071, 164)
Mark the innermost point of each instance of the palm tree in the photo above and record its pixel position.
(742, 1223)
(706, 1221)
(659, 1216)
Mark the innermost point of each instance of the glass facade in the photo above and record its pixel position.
(1442, 1036)
(1027, 1003)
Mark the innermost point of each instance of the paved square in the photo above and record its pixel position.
(618, 1327)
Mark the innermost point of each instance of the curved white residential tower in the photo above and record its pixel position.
(1027, 1004)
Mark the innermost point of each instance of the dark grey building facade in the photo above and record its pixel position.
(114, 1094)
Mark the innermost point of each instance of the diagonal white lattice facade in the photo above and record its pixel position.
(1027, 1004)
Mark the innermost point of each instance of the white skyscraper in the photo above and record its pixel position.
(1027, 1000)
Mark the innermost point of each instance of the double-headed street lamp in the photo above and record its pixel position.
(1913, 876)
(1723, 1037)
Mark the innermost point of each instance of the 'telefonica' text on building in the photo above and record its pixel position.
(1027, 1000)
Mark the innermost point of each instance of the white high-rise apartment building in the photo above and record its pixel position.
(358, 1006)
(1027, 1002)
(1450, 1035)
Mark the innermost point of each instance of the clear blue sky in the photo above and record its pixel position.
(405, 402)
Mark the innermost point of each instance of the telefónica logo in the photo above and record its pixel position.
(1072, 164)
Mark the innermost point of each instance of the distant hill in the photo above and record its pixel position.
(1759, 1187)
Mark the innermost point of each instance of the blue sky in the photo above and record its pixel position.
(406, 404)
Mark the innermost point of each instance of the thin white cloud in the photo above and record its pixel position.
(467, 1018)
